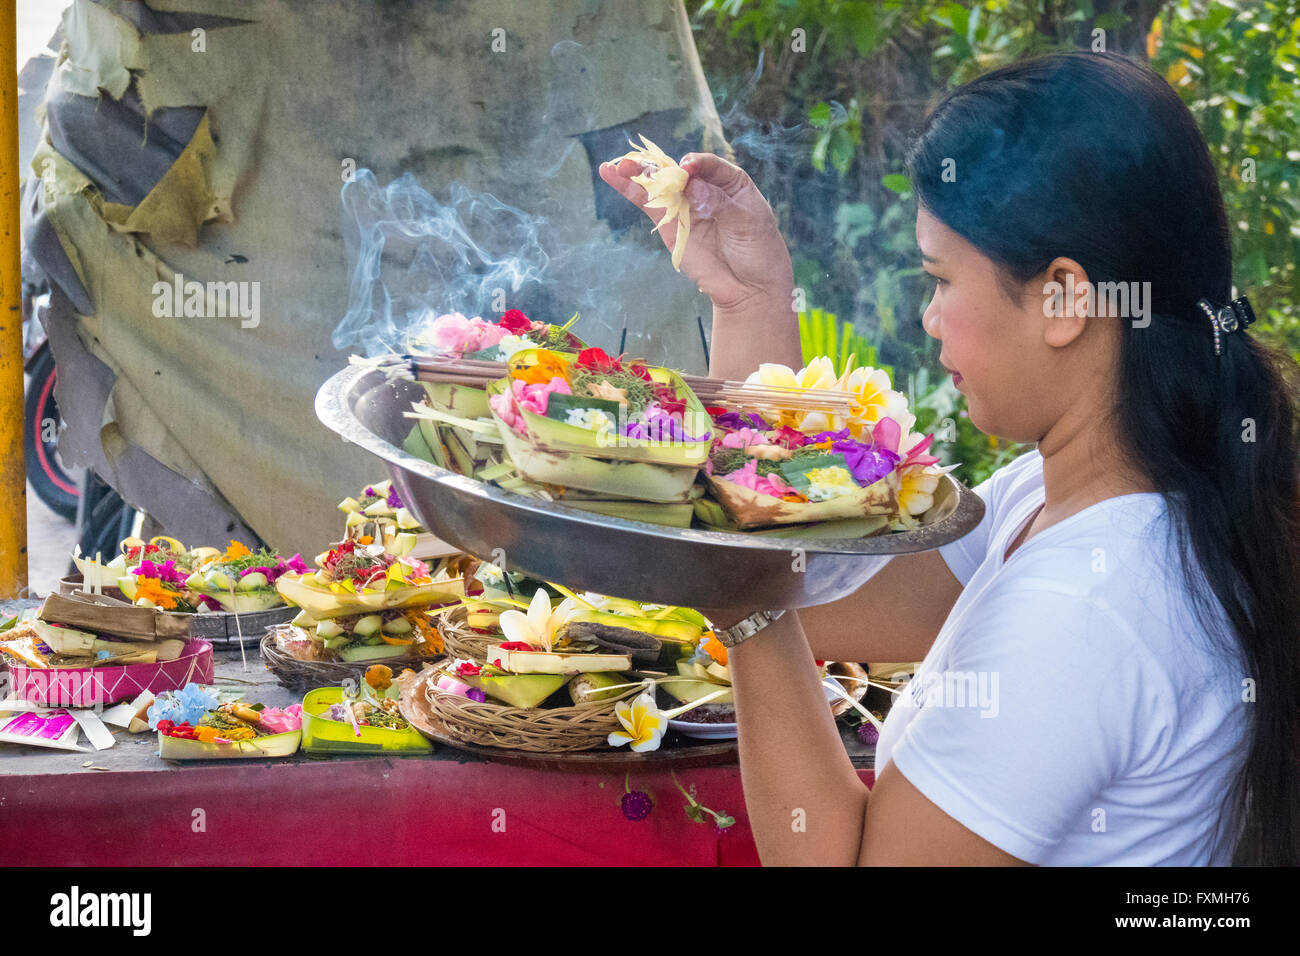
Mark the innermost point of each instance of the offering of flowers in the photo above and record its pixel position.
(379, 515)
(476, 338)
(586, 642)
(163, 573)
(453, 335)
(592, 429)
(366, 603)
(801, 454)
(241, 580)
(372, 704)
(775, 466)
(198, 713)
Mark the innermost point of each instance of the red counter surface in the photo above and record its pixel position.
(368, 811)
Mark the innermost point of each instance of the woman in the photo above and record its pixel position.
(1126, 616)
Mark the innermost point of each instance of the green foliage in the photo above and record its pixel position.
(1236, 68)
(839, 134)
(821, 333)
(854, 79)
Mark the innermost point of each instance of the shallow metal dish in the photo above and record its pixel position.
(631, 559)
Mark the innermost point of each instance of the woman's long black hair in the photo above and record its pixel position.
(1094, 157)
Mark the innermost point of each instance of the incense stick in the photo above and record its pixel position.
(480, 373)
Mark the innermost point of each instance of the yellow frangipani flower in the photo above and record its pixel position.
(916, 489)
(665, 184)
(817, 374)
(873, 399)
(643, 724)
(870, 395)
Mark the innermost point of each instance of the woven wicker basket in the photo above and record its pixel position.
(534, 729)
(300, 676)
(463, 642)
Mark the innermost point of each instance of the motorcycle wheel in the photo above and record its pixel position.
(53, 485)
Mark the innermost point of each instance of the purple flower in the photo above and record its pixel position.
(867, 733)
(840, 435)
(660, 425)
(163, 572)
(393, 500)
(733, 421)
(370, 492)
(636, 805)
(867, 463)
(294, 564)
(476, 695)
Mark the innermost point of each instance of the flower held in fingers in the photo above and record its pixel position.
(665, 184)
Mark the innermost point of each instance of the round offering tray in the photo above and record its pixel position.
(633, 559)
(301, 676)
(675, 751)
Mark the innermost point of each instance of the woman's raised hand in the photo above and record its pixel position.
(735, 252)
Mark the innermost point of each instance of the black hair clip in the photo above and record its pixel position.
(1236, 315)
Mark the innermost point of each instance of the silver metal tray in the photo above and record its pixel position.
(631, 559)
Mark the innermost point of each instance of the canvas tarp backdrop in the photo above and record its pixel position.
(210, 139)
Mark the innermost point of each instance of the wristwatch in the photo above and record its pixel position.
(731, 636)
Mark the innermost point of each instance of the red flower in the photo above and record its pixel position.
(640, 371)
(184, 731)
(714, 411)
(516, 322)
(668, 400)
(596, 360)
(515, 646)
(468, 667)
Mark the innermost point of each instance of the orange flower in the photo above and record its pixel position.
(235, 551)
(429, 631)
(379, 676)
(714, 648)
(366, 539)
(151, 589)
(549, 365)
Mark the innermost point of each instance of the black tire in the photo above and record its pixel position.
(53, 485)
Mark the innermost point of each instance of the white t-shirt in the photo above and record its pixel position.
(1072, 710)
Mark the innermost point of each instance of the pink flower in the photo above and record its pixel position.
(489, 334)
(887, 434)
(534, 397)
(743, 438)
(163, 572)
(748, 477)
(453, 332)
(504, 407)
(279, 721)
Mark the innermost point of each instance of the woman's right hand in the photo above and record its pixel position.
(735, 252)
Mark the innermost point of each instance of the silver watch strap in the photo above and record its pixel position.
(731, 636)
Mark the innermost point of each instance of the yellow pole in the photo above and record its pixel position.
(13, 471)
